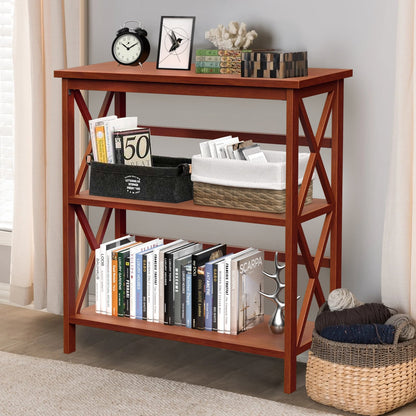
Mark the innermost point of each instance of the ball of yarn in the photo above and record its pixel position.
(342, 298)
(405, 324)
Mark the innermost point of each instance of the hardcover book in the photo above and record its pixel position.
(169, 259)
(179, 285)
(250, 283)
(160, 291)
(133, 281)
(198, 282)
(132, 147)
(236, 262)
(211, 294)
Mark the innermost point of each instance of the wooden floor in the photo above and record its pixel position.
(36, 333)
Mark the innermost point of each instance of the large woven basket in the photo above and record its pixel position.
(252, 199)
(368, 379)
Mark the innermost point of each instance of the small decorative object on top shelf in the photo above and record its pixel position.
(175, 42)
(130, 47)
(234, 36)
(274, 64)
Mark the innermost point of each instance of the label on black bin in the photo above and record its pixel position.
(132, 184)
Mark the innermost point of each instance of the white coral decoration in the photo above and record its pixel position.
(235, 36)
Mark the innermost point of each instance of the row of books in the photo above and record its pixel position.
(119, 140)
(180, 283)
(230, 147)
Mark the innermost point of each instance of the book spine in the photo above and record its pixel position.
(170, 296)
(97, 281)
(220, 319)
(155, 293)
(93, 141)
(200, 282)
(207, 58)
(144, 287)
(207, 52)
(166, 294)
(222, 70)
(214, 297)
(207, 64)
(109, 143)
(202, 70)
(114, 284)
(208, 296)
(139, 286)
(101, 145)
(127, 285)
(118, 149)
(188, 288)
(109, 283)
(194, 293)
(227, 298)
(177, 294)
(149, 282)
(120, 285)
(182, 272)
(133, 286)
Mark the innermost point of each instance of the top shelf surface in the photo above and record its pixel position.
(111, 71)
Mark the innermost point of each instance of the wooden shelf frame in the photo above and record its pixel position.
(116, 81)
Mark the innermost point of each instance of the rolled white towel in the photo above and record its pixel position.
(342, 298)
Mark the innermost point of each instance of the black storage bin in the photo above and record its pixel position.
(168, 180)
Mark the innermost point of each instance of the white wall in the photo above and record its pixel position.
(353, 34)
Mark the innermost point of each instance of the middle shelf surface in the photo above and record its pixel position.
(315, 209)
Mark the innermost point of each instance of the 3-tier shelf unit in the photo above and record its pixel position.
(117, 81)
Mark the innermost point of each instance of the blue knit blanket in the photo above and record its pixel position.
(360, 333)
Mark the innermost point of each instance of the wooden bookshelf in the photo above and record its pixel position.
(116, 81)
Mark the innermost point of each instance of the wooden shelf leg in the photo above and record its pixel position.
(68, 231)
(291, 240)
(336, 181)
(120, 214)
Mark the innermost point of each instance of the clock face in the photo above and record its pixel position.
(127, 49)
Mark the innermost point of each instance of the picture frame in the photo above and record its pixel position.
(175, 42)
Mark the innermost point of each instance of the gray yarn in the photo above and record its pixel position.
(340, 299)
(409, 331)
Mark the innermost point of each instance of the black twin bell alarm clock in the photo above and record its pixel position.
(131, 46)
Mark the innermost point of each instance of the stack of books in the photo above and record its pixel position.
(218, 61)
(274, 64)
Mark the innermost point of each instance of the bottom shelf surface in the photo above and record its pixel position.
(258, 340)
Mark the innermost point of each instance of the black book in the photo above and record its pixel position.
(170, 256)
(198, 282)
(127, 285)
(179, 284)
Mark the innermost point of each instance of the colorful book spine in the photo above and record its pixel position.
(101, 144)
(208, 295)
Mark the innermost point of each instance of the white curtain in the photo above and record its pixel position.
(398, 282)
(48, 35)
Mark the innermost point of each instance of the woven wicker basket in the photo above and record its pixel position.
(252, 199)
(361, 378)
